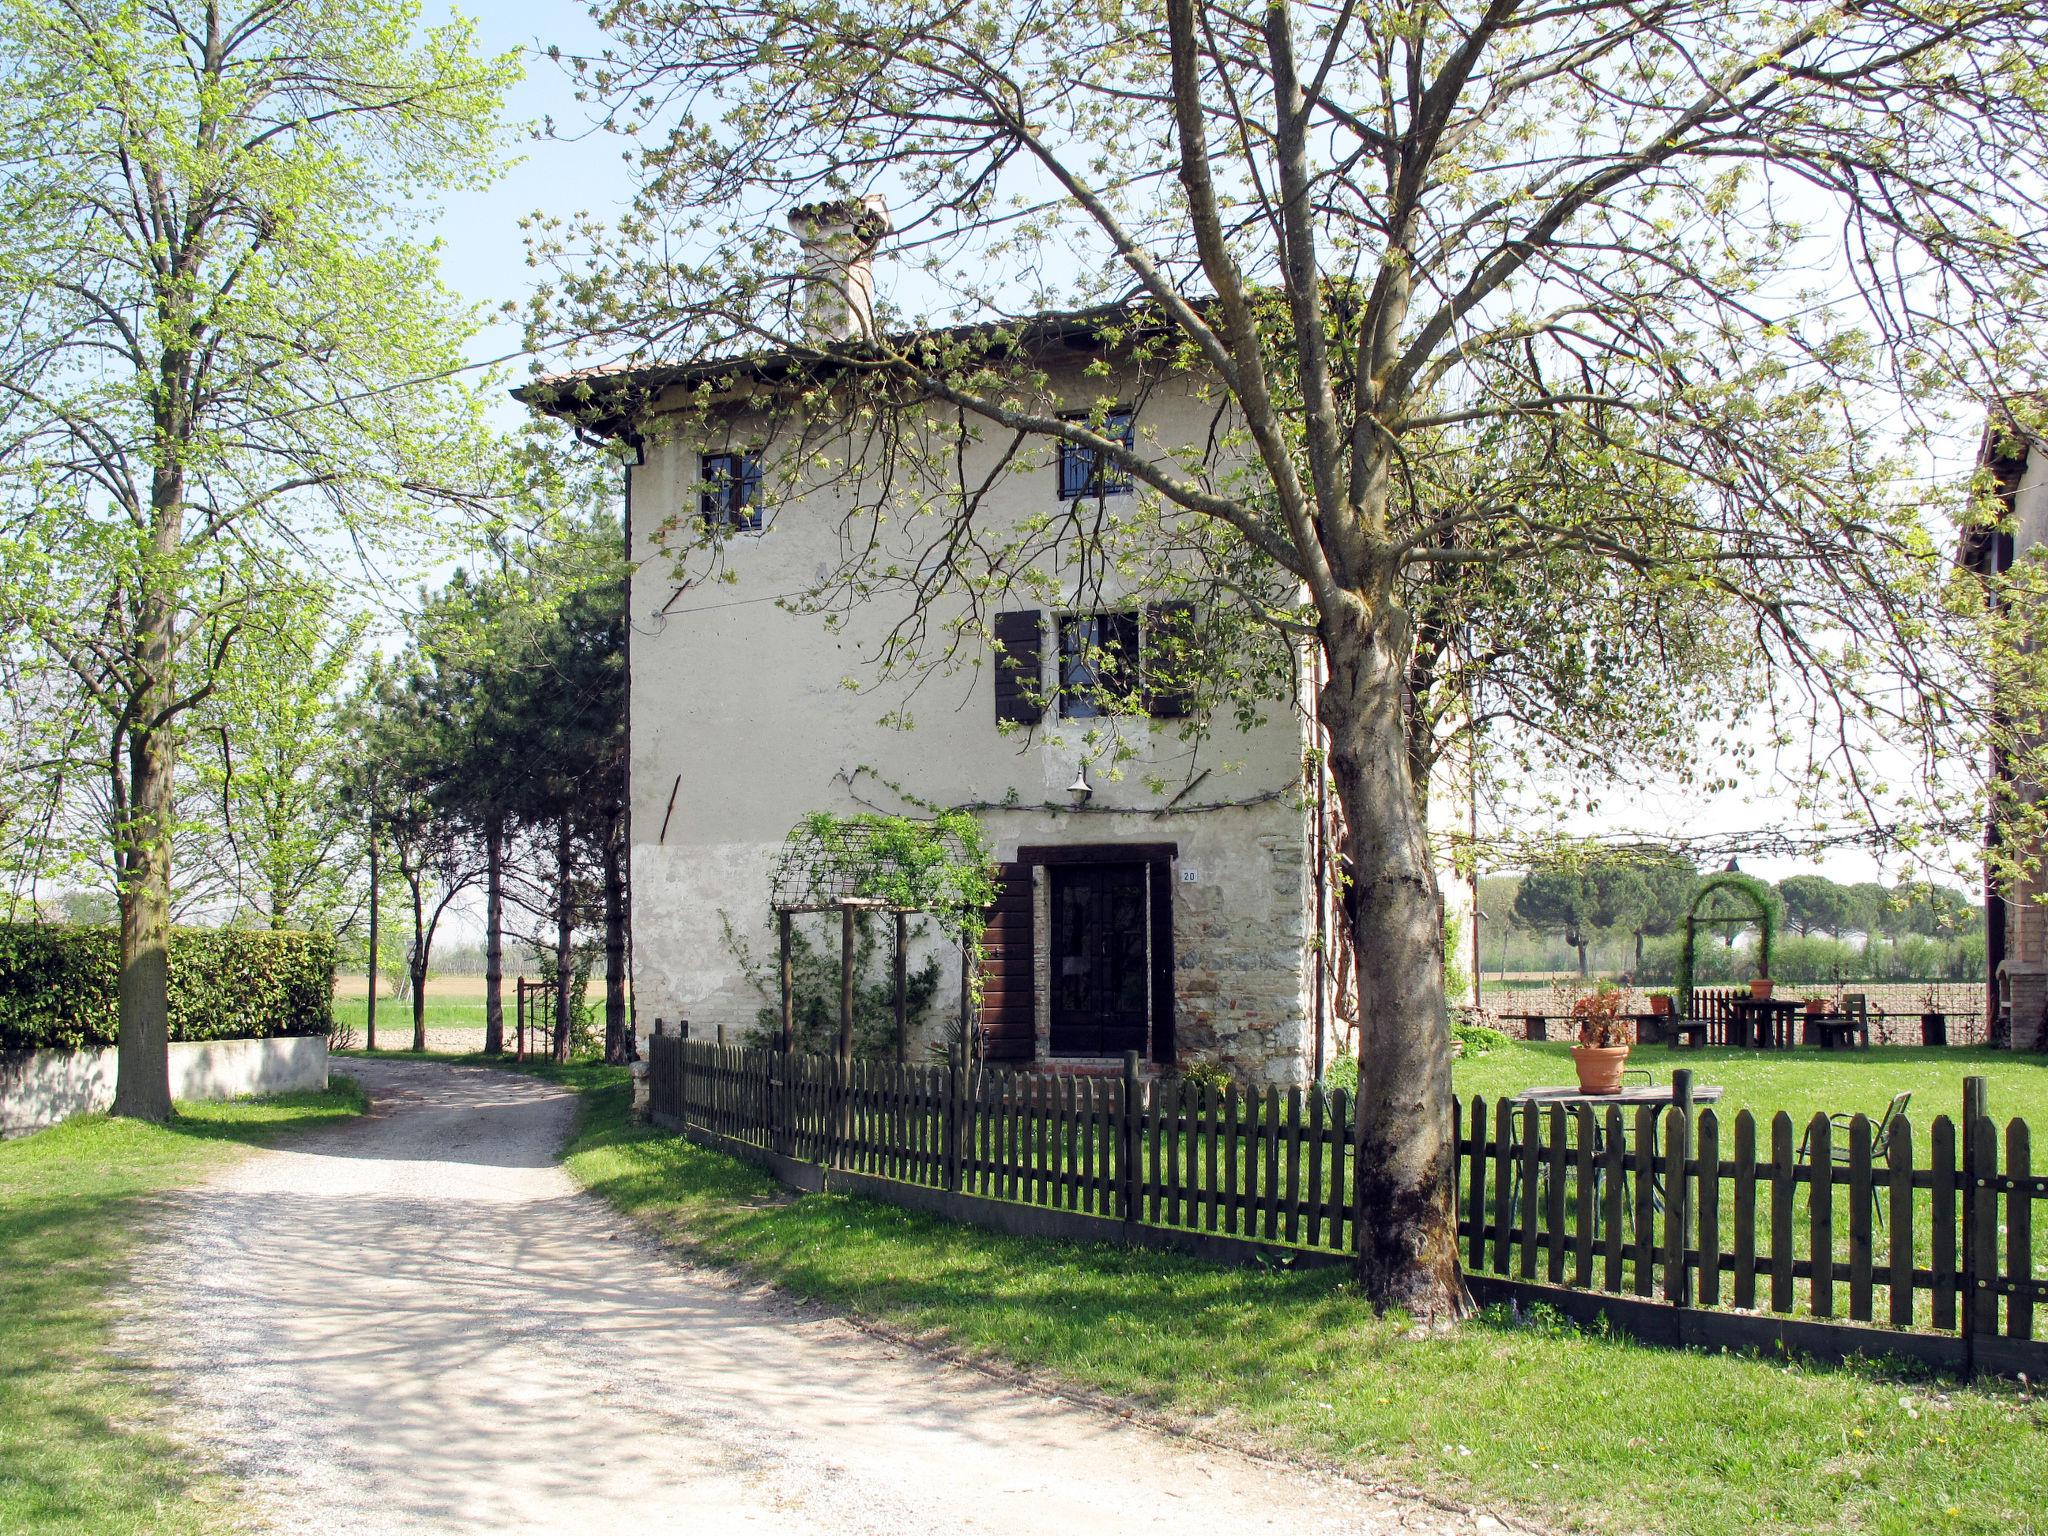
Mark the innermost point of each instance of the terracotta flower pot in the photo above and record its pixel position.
(1599, 1067)
(1761, 986)
(1660, 1005)
(1816, 1005)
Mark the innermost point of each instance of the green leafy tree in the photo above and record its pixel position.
(1869, 906)
(405, 739)
(1816, 904)
(226, 352)
(1929, 910)
(1519, 403)
(269, 749)
(563, 709)
(468, 642)
(1645, 892)
(1558, 898)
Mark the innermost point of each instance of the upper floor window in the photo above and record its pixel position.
(1098, 664)
(1082, 472)
(729, 492)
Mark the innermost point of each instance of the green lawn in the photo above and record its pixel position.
(1802, 1082)
(1566, 1426)
(81, 1447)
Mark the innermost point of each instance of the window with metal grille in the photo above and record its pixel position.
(1098, 664)
(729, 491)
(1082, 472)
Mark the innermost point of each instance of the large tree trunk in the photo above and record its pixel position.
(494, 936)
(565, 958)
(142, 1087)
(142, 1081)
(376, 896)
(417, 969)
(1584, 964)
(615, 1024)
(1408, 1251)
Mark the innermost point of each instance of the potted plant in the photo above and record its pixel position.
(1604, 1039)
(1660, 1004)
(1760, 987)
(1933, 1022)
(1818, 1002)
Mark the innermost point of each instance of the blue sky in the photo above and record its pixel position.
(485, 253)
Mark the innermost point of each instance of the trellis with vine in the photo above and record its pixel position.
(1762, 910)
(940, 866)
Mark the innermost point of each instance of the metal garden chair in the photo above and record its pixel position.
(1880, 1143)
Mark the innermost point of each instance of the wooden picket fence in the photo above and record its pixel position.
(1932, 1236)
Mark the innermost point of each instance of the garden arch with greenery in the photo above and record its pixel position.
(875, 862)
(1755, 903)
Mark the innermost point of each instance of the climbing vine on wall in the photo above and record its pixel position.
(940, 864)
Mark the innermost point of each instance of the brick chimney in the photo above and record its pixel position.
(839, 239)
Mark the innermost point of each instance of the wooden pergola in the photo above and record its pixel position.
(1708, 910)
(855, 865)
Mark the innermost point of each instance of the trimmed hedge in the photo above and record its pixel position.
(60, 985)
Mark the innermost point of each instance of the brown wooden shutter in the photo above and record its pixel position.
(1018, 674)
(1169, 659)
(1009, 991)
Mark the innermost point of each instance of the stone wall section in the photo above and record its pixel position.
(1240, 965)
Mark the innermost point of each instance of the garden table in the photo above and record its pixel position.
(1659, 1098)
(1763, 1021)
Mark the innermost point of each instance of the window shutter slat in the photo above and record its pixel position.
(1018, 670)
(1169, 660)
(1009, 980)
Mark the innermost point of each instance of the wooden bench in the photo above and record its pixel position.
(1850, 1027)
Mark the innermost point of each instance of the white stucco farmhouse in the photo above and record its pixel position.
(1164, 890)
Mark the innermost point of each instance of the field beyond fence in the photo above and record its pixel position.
(1822, 1239)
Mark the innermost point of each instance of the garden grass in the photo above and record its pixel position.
(1574, 1429)
(1802, 1082)
(82, 1448)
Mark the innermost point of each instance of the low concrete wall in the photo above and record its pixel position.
(40, 1088)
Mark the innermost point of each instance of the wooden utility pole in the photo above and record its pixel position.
(966, 1000)
(845, 984)
(788, 987)
(902, 987)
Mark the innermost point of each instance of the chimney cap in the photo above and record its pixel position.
(866, 217)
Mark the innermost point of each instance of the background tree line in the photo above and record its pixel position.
(1624, 911)
(492, 756)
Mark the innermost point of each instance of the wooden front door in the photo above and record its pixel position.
(1100, 993)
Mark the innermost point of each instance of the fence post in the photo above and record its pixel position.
(950, 1126)
(787, 1035)
(778, 1067)
(1976, 1106)
(845, 986)
(1678, 1269)
(1129, 1142)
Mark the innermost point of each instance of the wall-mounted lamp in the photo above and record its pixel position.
(1081, 789)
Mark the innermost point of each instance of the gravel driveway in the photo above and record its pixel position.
(416, 1322)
